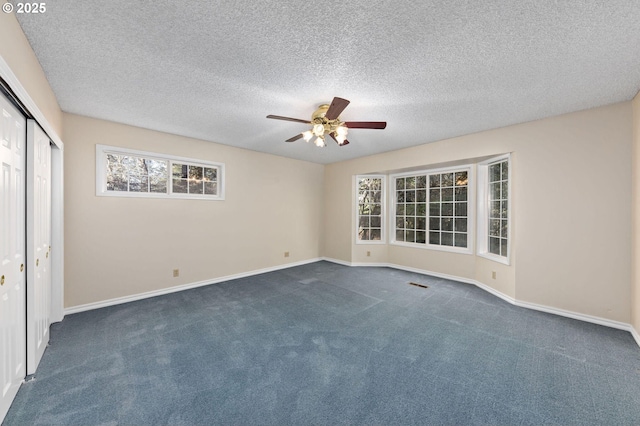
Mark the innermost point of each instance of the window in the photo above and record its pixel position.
(493, 218)
(370, 209)
(194, 179)
(127, 173)
(431, 209)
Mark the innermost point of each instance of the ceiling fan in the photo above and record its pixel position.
(326, 121)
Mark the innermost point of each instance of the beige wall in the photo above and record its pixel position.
(17, 53)
(635, 196)
(571, 210)
(117, 246)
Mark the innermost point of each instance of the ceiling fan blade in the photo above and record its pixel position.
(365, 124)
(335, 109)
(297, 120)
(295, 138)
(333, 136)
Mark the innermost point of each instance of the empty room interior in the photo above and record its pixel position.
(339, 213)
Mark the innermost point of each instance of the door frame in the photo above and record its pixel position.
(57, 190)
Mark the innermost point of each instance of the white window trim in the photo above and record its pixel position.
(383, 207)
(483, 210)
(470, 210)
(101, 183)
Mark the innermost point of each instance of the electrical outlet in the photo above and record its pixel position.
(176, 273)
(368, 254)
(493, 274)
(286, 254)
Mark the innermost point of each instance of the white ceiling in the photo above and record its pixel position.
(432, 69)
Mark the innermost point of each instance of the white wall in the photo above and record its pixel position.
(118, 247)
(571, 211)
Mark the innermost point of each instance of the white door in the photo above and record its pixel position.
(12, 253)
(39, 244)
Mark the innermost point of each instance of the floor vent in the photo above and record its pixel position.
(419, 285)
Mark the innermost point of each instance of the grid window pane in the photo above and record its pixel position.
(211, 188)
(434, 238)
(446, 212)
(460, 209)
(462, 178)
(370, 199)
(447, 196)
(460, 225)
(144, 174)
(128, 173)
(494, 245)
(498, 211)
(460, 240)
(461, 194)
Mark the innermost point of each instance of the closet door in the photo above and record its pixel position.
(12, 253)
(39, 244)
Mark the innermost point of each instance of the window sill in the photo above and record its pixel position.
(124, 194)
(495, 258)
(368, 242)
(458, 250)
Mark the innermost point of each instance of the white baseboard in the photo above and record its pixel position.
(575, 315)
(154, 293)
(635, 335)
(528, 305)
(548, 309)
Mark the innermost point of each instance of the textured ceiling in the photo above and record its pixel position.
(432, 69)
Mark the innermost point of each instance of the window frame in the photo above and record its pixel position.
(469, 249)
(383, 208)
(484, 207)
(101, 174)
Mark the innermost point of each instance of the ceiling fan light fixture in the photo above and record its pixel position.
(326, 121)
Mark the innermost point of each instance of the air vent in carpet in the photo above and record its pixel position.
(419, 285)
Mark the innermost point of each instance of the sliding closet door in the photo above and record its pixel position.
(12, 253)
(39, 244)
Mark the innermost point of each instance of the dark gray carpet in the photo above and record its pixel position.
(325, 344)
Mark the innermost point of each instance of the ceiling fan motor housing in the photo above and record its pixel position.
(318, 117)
